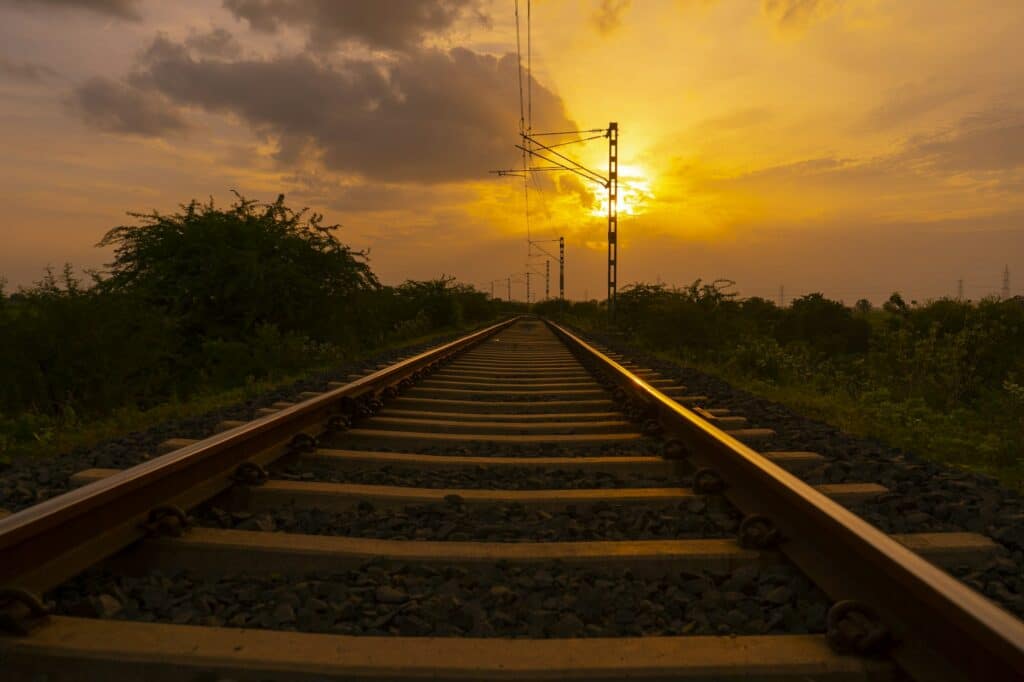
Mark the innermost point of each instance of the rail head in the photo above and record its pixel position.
(51, 541)
(942, 629)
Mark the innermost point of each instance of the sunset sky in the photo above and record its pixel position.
(853, 147)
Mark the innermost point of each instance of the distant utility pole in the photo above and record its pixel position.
(527, 287)
(547, 279)
(492, 288)
(561, 262)
(510, 288)
(960, 289)
(557, 161)
(782, 295)
(561, 268)
(1006, 282)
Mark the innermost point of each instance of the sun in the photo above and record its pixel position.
(634, 192)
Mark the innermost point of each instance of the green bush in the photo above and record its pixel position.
(202, 300)
(943, 378)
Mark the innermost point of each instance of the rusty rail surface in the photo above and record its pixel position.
(45, 544)
(937, 627)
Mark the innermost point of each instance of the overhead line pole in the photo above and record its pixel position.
(611, 183)
(528, 273)
(528, 136)
(561, 268)
(561, 260)
(613, 216)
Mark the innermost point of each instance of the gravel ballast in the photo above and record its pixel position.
(924, 496)
(28, 481)
(508, 478)
(643, 447)
(547, 600)
(453, 520)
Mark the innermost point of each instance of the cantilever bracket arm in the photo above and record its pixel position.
(565, 158)
(542, 249)
(582, 171)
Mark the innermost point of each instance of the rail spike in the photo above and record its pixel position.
(708, 482)
(758, 531)
(302, 442)
(338, 423)
(674, 449)
(250, 473)
(167, 520)
(856, 628)
(652, 427)
(21, 611)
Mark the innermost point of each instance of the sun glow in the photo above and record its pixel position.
(635, 192)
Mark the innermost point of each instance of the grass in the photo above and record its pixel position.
(53, 437)
(967, 439)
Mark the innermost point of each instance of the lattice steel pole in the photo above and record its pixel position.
(561, 268)
(527, 287)
(613, 215)
(547, 279)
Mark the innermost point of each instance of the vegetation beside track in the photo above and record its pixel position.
(943, 379)
(198, 309)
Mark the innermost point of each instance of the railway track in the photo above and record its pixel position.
(516, 504)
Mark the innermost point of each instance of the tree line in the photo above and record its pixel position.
(945, 377)
(203, 299)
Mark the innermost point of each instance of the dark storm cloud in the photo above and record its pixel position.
(122, 9)
(392, 24)
(26, 72)
(609, 14)
(217, 42)
(428, 116)
(121, 108)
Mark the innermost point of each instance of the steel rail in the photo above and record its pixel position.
(941, 629)
(45, 544)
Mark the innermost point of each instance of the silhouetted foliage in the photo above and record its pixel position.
(223, 273)
(204, 299)
(826, 326)
(907, 364)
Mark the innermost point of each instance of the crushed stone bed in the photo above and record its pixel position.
(644, 447)
(924, 496)
(509, 478)
(25, 482)
(455, 521)
(547, 600)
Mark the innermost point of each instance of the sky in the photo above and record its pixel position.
(851, 147)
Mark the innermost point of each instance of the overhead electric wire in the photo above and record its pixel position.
(529, 66)
(585, 139)
(519, 69)
(566, 158)
(522, 115)
(585, 172)
(575, 132)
